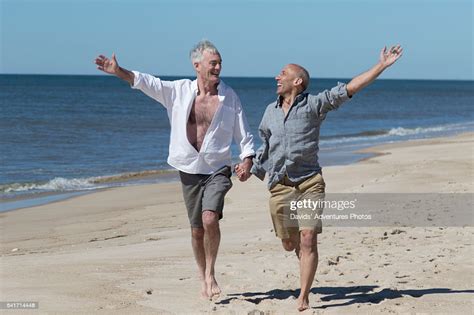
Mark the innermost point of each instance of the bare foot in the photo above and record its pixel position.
(213, 289)
(204, 290)
(303, 304)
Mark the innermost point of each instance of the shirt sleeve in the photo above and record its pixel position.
(262, 152)
(329, 99)
(159, 90)
(242, 135)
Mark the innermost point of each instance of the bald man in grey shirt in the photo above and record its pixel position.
(290, 133)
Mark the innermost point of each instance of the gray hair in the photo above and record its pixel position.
(199, 48)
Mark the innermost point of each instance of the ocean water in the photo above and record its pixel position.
(79, 133)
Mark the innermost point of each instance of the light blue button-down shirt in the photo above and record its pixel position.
(291, 144)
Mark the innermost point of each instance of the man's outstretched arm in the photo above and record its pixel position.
(111, 66)
(387, 58)
(161, 91)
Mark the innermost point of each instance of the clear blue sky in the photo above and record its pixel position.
(331, 38)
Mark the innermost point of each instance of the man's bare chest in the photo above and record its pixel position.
(203, 111)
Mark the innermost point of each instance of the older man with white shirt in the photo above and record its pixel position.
(205, 115)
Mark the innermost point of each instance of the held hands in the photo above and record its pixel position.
(388, 57)
(107, 65)
(243, 169)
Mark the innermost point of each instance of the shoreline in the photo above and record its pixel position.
(128, 248)
(166, 175)
(41, 198)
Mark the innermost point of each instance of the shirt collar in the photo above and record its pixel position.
(221, 87)
(298, 99)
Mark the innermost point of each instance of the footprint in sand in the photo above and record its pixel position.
(384, 265)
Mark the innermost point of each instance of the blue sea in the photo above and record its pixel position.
(66, 134)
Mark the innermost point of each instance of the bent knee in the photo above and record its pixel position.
(288, 244)
(210, 218)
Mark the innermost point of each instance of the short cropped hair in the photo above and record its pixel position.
(304, 75)
(198, 50)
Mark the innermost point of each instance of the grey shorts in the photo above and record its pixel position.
(205, 192)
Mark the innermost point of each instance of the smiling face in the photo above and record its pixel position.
(209, 68)
(288, 81)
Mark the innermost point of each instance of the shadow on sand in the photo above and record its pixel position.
(354, 294)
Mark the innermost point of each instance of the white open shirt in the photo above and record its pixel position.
(229, 123)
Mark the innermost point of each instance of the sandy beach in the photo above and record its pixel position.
(127, 250)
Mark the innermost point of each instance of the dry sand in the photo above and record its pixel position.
(127, 250)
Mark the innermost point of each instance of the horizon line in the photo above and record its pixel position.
(230, 76)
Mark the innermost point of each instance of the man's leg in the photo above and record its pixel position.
(197, 240)
(313, 188)
(292, 243)
(212, 238)
(308, 265)
(192, 194)
(216, 187)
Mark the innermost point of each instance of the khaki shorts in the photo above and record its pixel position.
(287, 205)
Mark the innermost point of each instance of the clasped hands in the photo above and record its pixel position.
(243, 169)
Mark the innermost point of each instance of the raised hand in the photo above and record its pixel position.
(107, 65)
(388, 57)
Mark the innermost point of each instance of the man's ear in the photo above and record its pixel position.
(298, 81)
(196, 66)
